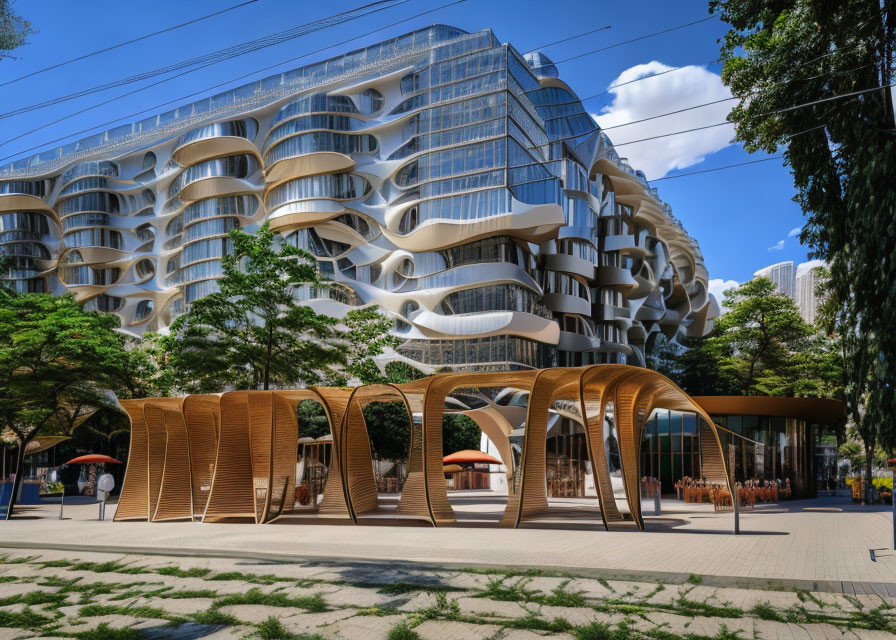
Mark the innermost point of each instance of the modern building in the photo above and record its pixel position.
(807, 300)
(441, 175)
(774, 439)
(782, 275)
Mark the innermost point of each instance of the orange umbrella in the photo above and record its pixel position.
(452, 468)
(470, 455)
(93, 458)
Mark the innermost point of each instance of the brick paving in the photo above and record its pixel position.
(95, 596)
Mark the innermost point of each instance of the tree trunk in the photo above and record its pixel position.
(267, 362)
(869, 459)
(20, 469)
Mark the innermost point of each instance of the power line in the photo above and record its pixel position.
(649, 35)
(232, 80)
(221, 55)
(720, 124)
(127, 42)
(551, 44)
(324, 25)
(727, 166)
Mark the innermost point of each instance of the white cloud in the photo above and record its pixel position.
(777, 246)
(795, 232)
(680, 89)
(717, 287)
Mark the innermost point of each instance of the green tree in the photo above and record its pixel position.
(14, 31)
(254, 333)
(757, 338)
(760, 347)
(367, 334)
(459, 432)
(56, 364)
(788, 62)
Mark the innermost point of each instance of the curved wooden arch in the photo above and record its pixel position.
(356, 450)
(202, 416)
(233, 455)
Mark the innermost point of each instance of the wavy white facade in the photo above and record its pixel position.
(440, 175)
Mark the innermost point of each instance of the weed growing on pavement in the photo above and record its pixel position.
(402, 631)
(214, 617)
(272, 629)
(183, 573)
(764, 611)
(314, 604)
(105, 632)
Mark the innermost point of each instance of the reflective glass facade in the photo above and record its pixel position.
(441, 175)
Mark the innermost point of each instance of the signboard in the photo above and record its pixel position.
(760, 459)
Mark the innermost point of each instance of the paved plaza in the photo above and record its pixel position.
(813, 569)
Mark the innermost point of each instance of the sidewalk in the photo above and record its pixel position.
(828, 547)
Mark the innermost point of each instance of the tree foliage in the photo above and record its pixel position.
(842, 154)
(760, 347)
(57, 364)
(14, 30)
(459, 432)
(254, 333)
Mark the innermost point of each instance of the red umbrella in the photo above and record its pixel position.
(470, 455)
(93, 458)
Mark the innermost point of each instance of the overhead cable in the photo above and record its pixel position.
(231, 80)
(127, 42)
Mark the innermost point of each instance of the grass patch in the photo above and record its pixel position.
(25, 619)
(95, 567)
(402, 631)
(7, 559)
(534, 623)
(177, 572)
(601, 631)
(498, 589)
(314, 604)
(182, 595)
(105, 632)
(560, 597)
(441, 609)
(95, 610)
(271, 629)
(764, 611)
(400, 588)
(695, 579)
(214, 617)
(251, 578)
(34, 598)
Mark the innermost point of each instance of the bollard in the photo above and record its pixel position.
(61, 505)
(657, 506)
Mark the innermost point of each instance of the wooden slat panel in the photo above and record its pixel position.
(201, 417)
(334, 502)
(154, 414)
(133, 503)
(232, 493)
(175, 494)
(261, 425)
(285, 445)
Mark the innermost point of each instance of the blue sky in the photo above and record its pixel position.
(736, 215)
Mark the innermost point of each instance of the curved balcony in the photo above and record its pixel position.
(101, 201)
(488, 323)
(98, 237)
(89, 276)
(297, 215)
(36, 188)
(315, 103)
(329, 186)
(565, 303)
(569, 264)
(312, 153)
(441, 228)
(97, 168)
(317, 122)
(608, 276)
(215, 140)
(569, 341)
(221, 176)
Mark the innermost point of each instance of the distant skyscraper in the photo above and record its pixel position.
(806, 299)
(783, 277)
